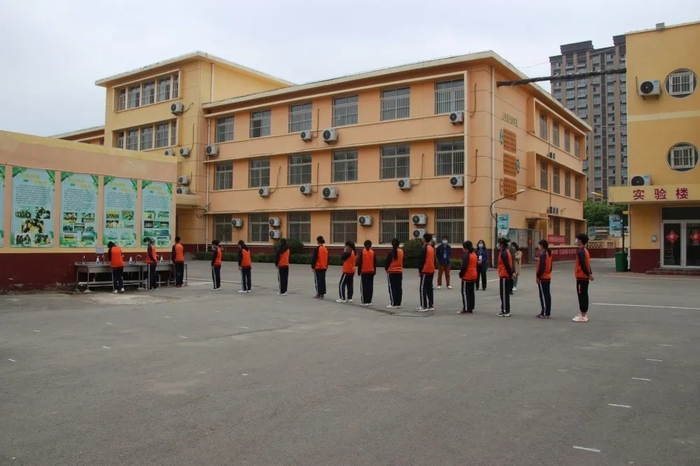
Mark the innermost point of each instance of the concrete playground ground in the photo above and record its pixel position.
(193, 376)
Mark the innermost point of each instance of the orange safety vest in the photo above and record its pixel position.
(284, 259)
(429, 266)
(179, 253)
(322, 258)
(349, 263)
(116, 260)
(246, 261)
(396, 265)
(578, 270)
(547, 274)
(218, 255)
(471, 275)
(502, 271)
(155, 255)
(367, 261)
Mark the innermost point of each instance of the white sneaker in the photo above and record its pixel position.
(115, 291)
(340, 301)
(431, 309)
(282, 294)
(242, 291)
(122, 290)
(349, 300)
(421, 309)
(449, 287)
(248, 291)
(515, 288)
(368, 304)
(580, 318)
(438, 287)
(391, 306)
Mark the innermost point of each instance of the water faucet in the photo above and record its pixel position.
(138, 257)
(83, 258)
(161, 258)
(131, 259)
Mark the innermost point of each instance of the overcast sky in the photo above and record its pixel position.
(53, 51)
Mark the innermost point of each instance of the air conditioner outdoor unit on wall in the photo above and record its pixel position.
(650, 87)
(553, 210)
(275, 222)
(177, 108)
(305, 135)
(212, 150)
(185, 151)
(419, 219)
(418, 233)
(456, 118)
(330, 135)
(457, 181)
(183, 190)
(183, 180)
(305, 189)
(552, 155)
(275, 234)
(237, 222)
(404, 184)
(640, 180)
(264, 192)
(365, 220)
(330, 192)
(169, 152)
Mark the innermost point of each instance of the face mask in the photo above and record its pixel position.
(576, 242)
(444, 241)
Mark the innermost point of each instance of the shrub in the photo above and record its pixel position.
(295, 246)
(411, 252)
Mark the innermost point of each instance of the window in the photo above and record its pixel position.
(567, 184)
(134, 96)
(449, 222)
(132, 139)
(173, 133)
(396, 103)
(345, 111)
(567, 230)
(567, 140)
(162, 135)
(224, 129)
(570, 94)
(176, 86)
(259, 173)
(258, 228)
(570, 104)
(222, 228)
(555, 133)
(344, 166)
(683, 157)
(164, 89)
(147, 138)
(544, 176)
(577, 147)
(543, 126)
(299, 118)
(149, 93)
(121, 99)
(223, 175)
(556, 226)
(396, 161)
(449, 157)
(393, 224)
(681, 83)
(299, 169)
(449, 96)
(299, 226)
(343, 226)
(119, 142)
(556, 184)
(260, 123)
(577, 187)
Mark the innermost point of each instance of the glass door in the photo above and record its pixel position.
(692, 244)
(672, 240)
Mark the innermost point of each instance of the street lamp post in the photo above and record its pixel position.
(495, 218)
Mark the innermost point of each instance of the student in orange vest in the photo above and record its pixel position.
(426, 272)
(177, 256)
(366, 270)
(245, 265)
(584, 275)
(319, 265)
(346, 287)
(282, 264)
(469, 275)
(217, 255)
(505, 275)
(116, 263)
(393, 264)
(152, 262)
(544, 279)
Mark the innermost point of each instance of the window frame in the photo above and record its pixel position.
(299, 169)
(259, 221)
(300, 115)
(556, 180)
(344, 219)
(682, 152)
(224, 129)
(385, 237)
(567, 184)
(347, 118)
(567, 140)
(223, 222)
(256, 174)
(679, 75)
(396, 157)
(544, 175)
(455, 166)
(555, 133)
(264, 128)
(449, 222)
(449, 96)
(395, 104)
(544, 126)
(223, 175)
(302, 222)
(345, 163)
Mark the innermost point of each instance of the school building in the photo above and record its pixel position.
(663, 118)
(427, 147)
(62, 202)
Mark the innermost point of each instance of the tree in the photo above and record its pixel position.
(596, 213)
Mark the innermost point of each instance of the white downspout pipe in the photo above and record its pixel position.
(492, 222)
(467, 121)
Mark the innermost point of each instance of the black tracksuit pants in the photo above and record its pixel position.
(320, 282)
(367, 287)
(118, 278)
(545, 288)
(283, 278)
(246, 278)
(179, 273)
(395, 281)
(468, 296)
(426, 290)
(481, 277)
(582, 292)
(346, 286)
(505, 288)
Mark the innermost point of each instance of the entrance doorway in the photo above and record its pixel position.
(681, 244)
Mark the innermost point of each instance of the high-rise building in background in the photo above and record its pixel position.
(602, 102)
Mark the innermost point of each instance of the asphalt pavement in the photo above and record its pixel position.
(194, 376)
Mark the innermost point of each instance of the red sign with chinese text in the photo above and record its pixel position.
(672, 237)
(660, 194)
(556, 239)
(695, 237)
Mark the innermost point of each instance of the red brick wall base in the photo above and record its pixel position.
(642, 260)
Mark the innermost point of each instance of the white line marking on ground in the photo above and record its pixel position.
(594, 450)
(666, 346)
(106, 347)
(619, 406)
(641, 378)
(649, 306)
(245, 374)
(109, 323)
(37, 331)
(183, 337)
(292, 320)
(217, 312)
(655, 360)
(244, 327)
(12, 360)
(167, 317)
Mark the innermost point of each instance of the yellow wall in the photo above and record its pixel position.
(19, 150)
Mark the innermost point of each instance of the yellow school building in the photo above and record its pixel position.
(663, 118)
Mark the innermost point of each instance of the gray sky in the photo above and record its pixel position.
(54, 50)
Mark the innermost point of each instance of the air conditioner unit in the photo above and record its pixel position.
(457, 181)
(418, 232)
(419, 219)
(185, 151)
(456, 118)
(305, 189)
(169, 152)
(237, 222)
(275, 222)
(305, 135)
(212, 150)
(365, 220)
(275, 234)
(552, 155)
(330, 192)
(649, 88)
(183, 180)
(264, 192)
(553, 210)
(183, 190)
(330, 135)
(404, 183)
(177, 108)
(640, 180)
